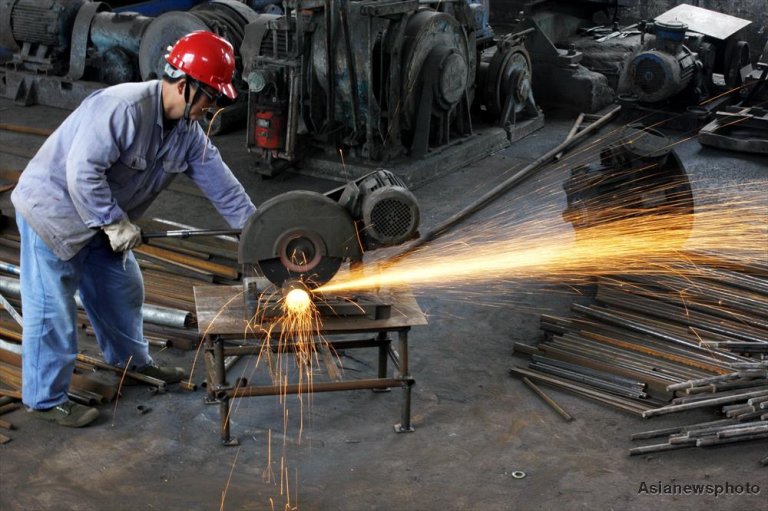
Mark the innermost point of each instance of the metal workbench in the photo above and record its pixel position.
(226, 331)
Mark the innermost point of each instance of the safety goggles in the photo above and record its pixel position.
(213, 95)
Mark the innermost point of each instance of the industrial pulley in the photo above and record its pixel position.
(506, 81)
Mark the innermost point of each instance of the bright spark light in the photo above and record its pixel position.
(297, 301)
(536, 248)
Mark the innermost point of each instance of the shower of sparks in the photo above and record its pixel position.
(290, 325)
(538, 248)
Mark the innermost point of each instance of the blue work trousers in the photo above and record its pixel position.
(112, 292)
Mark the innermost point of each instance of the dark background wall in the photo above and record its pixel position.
(504, 12)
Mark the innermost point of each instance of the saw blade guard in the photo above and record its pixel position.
(299, 235)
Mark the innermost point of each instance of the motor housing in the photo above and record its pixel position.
(667, 69)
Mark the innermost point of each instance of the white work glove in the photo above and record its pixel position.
(123, 235)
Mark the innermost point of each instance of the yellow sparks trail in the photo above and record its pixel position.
(635, 245)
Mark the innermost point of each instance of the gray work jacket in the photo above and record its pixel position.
(109, 160)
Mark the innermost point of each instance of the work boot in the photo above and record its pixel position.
(167, 374)
(69, 414)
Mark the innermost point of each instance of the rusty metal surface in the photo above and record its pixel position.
(221, 310)
(710, 23)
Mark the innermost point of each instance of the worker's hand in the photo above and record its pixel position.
(123, 235)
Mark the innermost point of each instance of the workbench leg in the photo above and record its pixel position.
(405, 425)
(220, 373)
(210, 364)
(383, 354)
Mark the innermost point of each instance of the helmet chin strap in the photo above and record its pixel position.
(188, 104)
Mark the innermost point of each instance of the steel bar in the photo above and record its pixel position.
(710, 293)
(274, 390)
(9, 408)
(188, 385)
(574, 129)
(635, 323)
(629, 358)
(713, 430)
(647, 449)
(130, 374)
(15, 394)
(621, 403)
(551, 402)
(737, 279)
(679, 315)
(703, 403)
(29, 130)
(154, 314)
(735, 392)
(186, 261)
(669, 356)
(586, 380)
(647, 289)
(740, 346)
(750, 365)
(677, 429)
(721, 387)
(739, 411)
(712, 440)
(590, 372)
(713, 362)
(13, 269)
(748, 416)
(702, 381)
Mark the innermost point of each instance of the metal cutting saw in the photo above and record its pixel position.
(305, 237)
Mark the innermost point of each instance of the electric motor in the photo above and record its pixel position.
(665, 70)
(46, 22)
(26, 24)
(389, 210)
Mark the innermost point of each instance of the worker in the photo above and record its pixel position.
(76, 203)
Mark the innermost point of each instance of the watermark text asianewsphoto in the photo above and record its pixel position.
(706, 489)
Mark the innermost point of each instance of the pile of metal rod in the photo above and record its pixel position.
(652, 345)
(82, 388)
(743, 398)
(171, 268)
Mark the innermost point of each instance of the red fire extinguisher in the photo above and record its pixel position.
(269, 129)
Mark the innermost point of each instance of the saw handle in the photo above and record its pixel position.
(189, 233)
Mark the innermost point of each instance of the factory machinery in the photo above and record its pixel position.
(283, 250)
(691, 54)
(372, 79)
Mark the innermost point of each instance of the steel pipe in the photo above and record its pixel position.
(151, 313)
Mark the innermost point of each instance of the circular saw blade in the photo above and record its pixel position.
(299, 235)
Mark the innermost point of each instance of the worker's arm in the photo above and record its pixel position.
(216, 180)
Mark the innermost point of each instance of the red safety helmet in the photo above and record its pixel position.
(207, 58)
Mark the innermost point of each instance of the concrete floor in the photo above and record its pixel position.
(475, 425)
